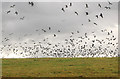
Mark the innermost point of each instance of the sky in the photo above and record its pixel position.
(49, 14)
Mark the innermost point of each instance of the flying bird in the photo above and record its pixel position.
(43, 30)
(101, 15)
(89, 20)
(16, 13)
(54, 35)
(66, 6)
(95, 23)
(70, 4)
(12, 6)
(106, 7)
(49, 28)
(22, 18)
(86, 13)
(8, 12)
(76, 13)
(63, 9)
(58, 30)
(99, 5)
(96, 16)
(86, 5)
(31, 3)
(109, 3)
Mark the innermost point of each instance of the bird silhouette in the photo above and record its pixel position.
(31, 3)
(8, 12)
(89, 20)
(58, 30)
(66, 6)
(54, 35)
(86, 13)
(86, 5)
(63, 9)
(109, 3)
(101, 15)
(49, 28)
(70, 4)
(43, 30)
(99, 5)
(22, 18)
(16, 13)
(95, 23)
(76, 13)
(96, 16)
(12, 6)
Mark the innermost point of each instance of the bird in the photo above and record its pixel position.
(8, 12)
(86, 13)
(16, 13)
(43, 30)
(49, 28)
(31, 3)
(106, 7)
(99, 5)
(54, 35)
(72, 32)
(86, 5)
(111, 31)
(66, 6)
(95, 23)
(63, 9)
(89, 20)
(101, 15)
(109, 3)
(76, 13)
(12, 6)
(70, 4)
(22, 18)
(96, 16)
(78, 32)
(108, 33)
(58, 30)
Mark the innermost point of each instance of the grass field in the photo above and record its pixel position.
(60, 67)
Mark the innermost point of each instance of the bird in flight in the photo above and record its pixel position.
(76, 13)
(86, 5)
(95, 23)
(31, 3)
(89, 20)
(101, 15)
(58, 30)
(43, 30)
(63, 9)
(49, 28)
(12, 6)
(70, 4)
(96, 16)
(22, 18)
(16, 13)
(86, 13)
(109, 3)
(54, 35)
(8, 12)
(99, 5)
(66, 6)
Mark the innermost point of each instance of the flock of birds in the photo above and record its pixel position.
(88, 45)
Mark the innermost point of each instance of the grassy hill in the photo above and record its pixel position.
(60, 67)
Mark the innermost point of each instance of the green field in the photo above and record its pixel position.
(60, 67)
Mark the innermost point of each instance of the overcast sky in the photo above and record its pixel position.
(49, 14)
